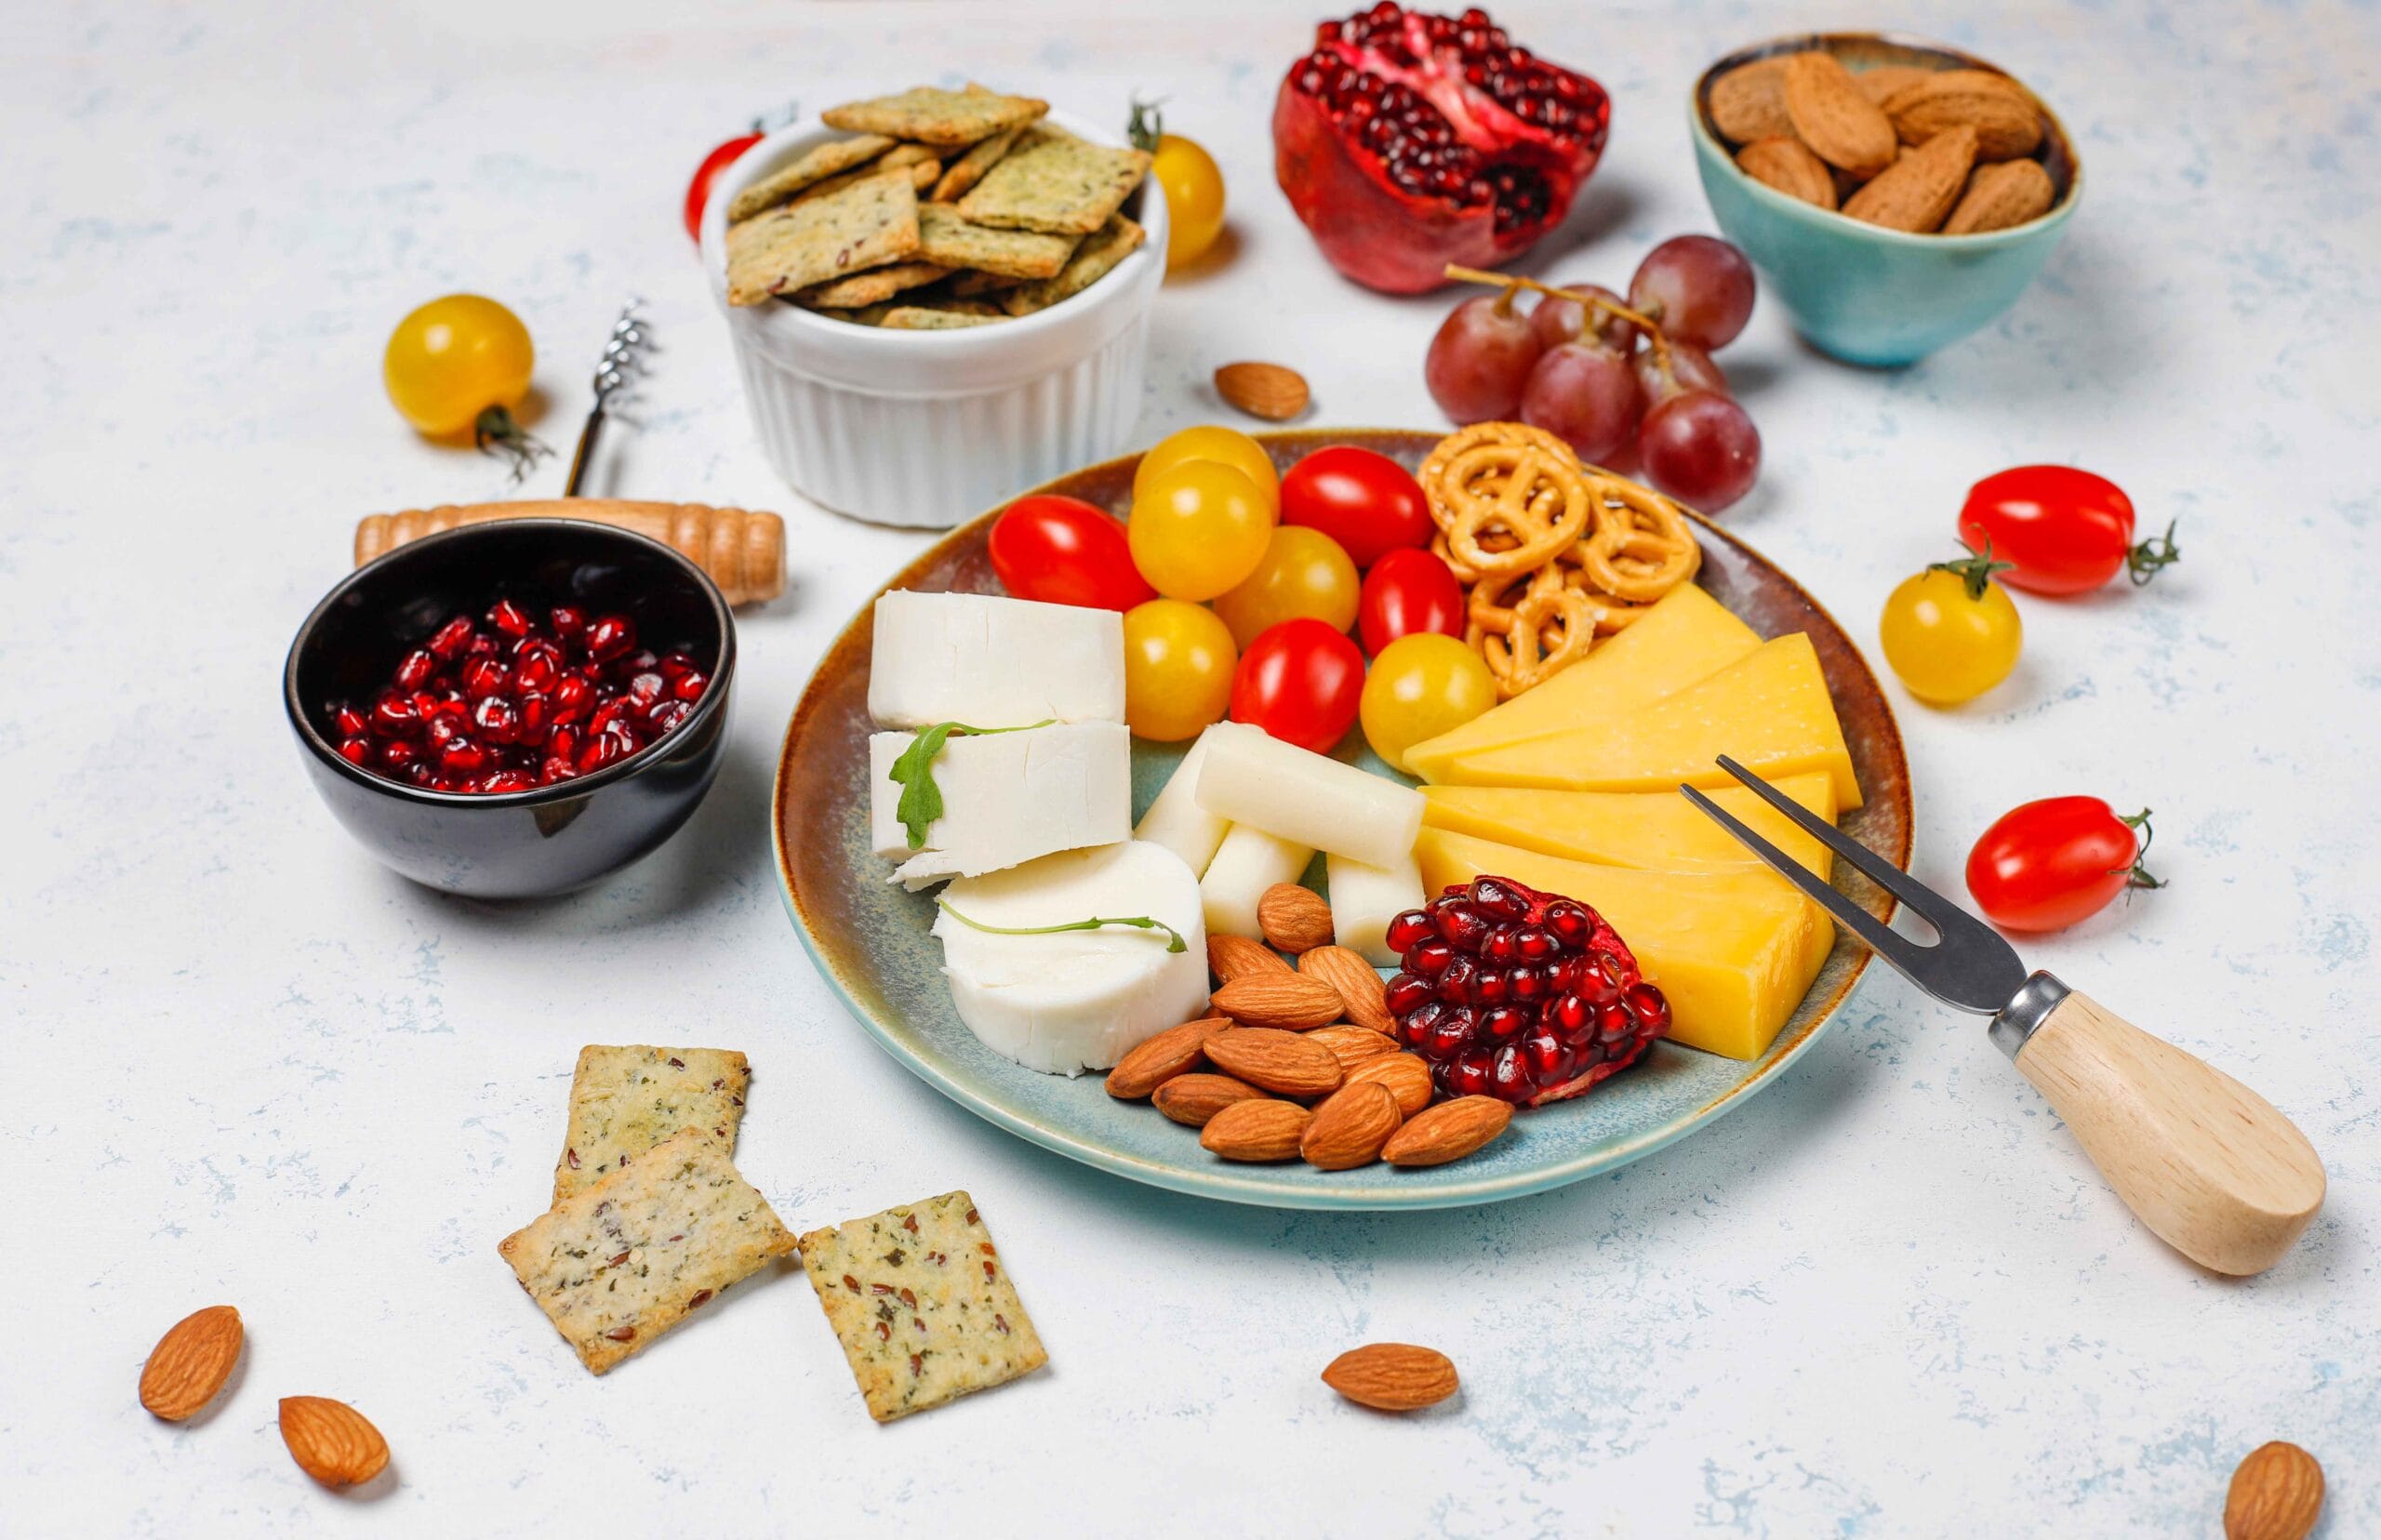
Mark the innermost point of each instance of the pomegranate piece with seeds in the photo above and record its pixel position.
(1407, 141)
(1528, 997)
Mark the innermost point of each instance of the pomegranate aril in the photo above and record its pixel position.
(452, 637)
(1405, 991)
(349, 723)
(417, 669)
(509, 780)
(483, 677)
(1508, 1075)
(666, 715)
(497, 719)
(567, 622)
(355, 750)
(1494, 987)
(396, 753)
(1649, 1005)
(1468, 1076)
(1572, 923)
(393, 716)
(459, 756)
(1503, 1022)
(646, 688)
(573, 697)
(1499, 898)
(1408, 929)
(610, 637)
(1535, 944)
(1430, 959)
(1463, 927)
(509, 617)
(690, 686)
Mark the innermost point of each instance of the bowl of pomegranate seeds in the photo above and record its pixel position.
(516, 708)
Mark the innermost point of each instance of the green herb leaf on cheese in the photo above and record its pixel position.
(921, 802)
(1138, 922)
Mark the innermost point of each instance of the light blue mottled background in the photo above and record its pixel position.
(1888, 1298)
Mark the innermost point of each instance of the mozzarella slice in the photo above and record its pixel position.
(992, 662)
(1309, 800)
(1365, 899)
(1247, 863)
(1175, 821)
(1076, 1000)
(1007, 798)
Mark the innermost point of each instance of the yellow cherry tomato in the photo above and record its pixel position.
(1193, 186)
(1304, 573)
(1422, 685)
(1198, 529)
(1230, 446)
(455, 358)
(1950, 633)
(1179, 663)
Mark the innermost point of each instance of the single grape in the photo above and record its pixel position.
(1480, 359)
(1586, 395)
(1699, 287)
(1701, 448)
(1687, 367)
(1559, 319)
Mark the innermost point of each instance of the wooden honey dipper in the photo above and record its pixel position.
(743, 552)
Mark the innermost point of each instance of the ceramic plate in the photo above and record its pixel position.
(870, 942)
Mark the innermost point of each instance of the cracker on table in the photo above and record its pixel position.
(868, 224)
(1093, 260)
(922, 1304)
(815, 164)
(936, 116)
(950, 317)
(619, 1264)
(946, 238)
(924, 169)
(866, 288)
(624, 1101)
(1054, 181)
(969, 168)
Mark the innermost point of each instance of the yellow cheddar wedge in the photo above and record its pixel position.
(1648, 830)
(1735, 952)
(1769, 710)
(1685, 636)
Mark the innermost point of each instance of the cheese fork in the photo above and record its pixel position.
(2207, 1163)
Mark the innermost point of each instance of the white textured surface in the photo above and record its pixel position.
(1887, 1298)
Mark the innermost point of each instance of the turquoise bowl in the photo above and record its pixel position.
(1856, 291)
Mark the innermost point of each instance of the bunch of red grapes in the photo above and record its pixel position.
(1592, 376)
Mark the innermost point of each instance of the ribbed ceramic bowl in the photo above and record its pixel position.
(870, 942)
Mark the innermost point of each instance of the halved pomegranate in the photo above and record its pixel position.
(1407, 142)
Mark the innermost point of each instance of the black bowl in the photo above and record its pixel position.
(515, 845)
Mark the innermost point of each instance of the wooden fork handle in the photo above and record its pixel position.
(743, 552)
(2208, 1164)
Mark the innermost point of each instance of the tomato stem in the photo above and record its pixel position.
(1975, 571)
(496, 432)
(2137, 875)
(2152, 556)
(1655, 340)
(1146, 125)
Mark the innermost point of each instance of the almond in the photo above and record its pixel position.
(1161, 1058)
(1392, 1377)
(2277, 1495)
(1407, 1076)
(1294, 919)
(1192, 1099)
(1355, 981)
(1828, 114)
(2000, 197)
(1285, 1000)
(1787, 165)
(1268, 391)
(1349, 1127)
(1916, 191)
(1447, 1132)
(1264, 1130)
(1230, 957)
(1353, 1046)
(1280, 1062)
(1884, 80)
(191, 1363)
(1748, 103)
(331, 1440)
(2007, 121)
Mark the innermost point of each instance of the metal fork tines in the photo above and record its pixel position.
(1967, 964)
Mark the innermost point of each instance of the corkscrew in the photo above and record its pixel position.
(616, 371)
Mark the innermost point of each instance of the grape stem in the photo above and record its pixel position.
(1511, 284)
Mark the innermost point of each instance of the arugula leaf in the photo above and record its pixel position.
(921, 802)
(1138, 922)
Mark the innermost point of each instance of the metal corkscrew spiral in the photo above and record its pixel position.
(616, 371)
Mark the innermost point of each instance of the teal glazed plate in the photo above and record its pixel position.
(869, 937)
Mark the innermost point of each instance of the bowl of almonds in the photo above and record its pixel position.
(1897, 193)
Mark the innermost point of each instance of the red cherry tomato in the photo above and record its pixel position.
(2063, 530)
(1063, 551)
(699, 190)
(1302, 682)
(1409, 591)
(2048, 864)
(1367, 502)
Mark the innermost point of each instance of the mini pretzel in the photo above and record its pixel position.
(1641, 547)
(1552, 628)
(1506, 498)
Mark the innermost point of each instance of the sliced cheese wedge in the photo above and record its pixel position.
(1769, 710)
(1649, 830)
(992, 662)
(1735, 952)
(1685, 637)
(1007, 797)
(1076, 1000)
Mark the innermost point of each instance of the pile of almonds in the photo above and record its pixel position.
(1298, 1063)
(1929, 151)
(192, 1363)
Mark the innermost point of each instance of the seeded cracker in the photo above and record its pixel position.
(815, 166)
(940, 317)
(866, 225)
(1053, 181)
(935, 117)
(868, 287)
(947, 239)
(618, 1264)
(973, 285)
(1093, 260)
(969, 168)
(922, 1304)
(623, 1101)
(924, 169)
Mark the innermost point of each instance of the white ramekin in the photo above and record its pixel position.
(928, 427)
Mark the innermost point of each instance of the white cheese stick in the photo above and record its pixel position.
(1300, 796)
(1365, 899)
(1076, 1000)
(1247, 863)
(1175, 821)
(1007, 797)
(992, 662)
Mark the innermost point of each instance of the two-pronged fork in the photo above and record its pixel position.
(2209, 1165)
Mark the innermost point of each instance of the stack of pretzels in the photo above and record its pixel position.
(1552, 552)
